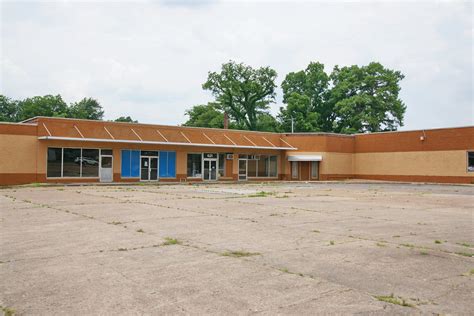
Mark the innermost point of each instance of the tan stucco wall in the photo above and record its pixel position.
(426, 163)
(18, 154)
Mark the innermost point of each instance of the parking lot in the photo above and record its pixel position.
(288, 248)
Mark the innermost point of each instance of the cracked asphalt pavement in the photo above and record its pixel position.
(271, 248)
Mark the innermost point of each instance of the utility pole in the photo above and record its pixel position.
(292, 125)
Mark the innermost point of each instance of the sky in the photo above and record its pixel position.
(149, 59)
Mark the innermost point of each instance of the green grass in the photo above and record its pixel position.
(394, 300)
(7, 311)
(469, 273)
(239, 254)
(438, 241)
(424, 253)
(115, 223)
(465, 254)
(381, 244)
(408, 245)
(171, 241)
(140, 230)
(315, 231)
(465, 244)
(260, 194)
(122, 249)
(396, 236)
(331, 242)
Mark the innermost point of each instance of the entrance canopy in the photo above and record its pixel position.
(305, 158)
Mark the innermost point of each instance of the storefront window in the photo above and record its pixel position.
(262, 166)
(251, 168)
(273, 166)
(90, 162)
(71, 162)
(54, 162)
(221, 165)
(194, 165)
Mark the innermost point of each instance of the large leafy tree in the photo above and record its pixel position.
(8, 109)
(125, 119)
(205, 115)
(366, 99)
(243, 92)
(87, 108)
(48, 105)
(305, 92)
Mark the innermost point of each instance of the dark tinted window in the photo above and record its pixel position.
(194, 165)
(54, 162)
(72, 162)
(149, 153)
(106, 152)
(470, 161)
(90, 162)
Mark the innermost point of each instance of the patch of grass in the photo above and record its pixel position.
(331, 242)
(171, 241)
(260, 194)
(465, 244)
(140, 230)
(396, 236)
(438, 241)
(7, 311)
(469, 273)
(239, 254)
(282, 196)
(115, 223)
(122, 249)
(465, 254)
(315, 231)
(273, 214)
(381, 244)
(284, 270)
(408, 245)
(424, 253)
(394, 300)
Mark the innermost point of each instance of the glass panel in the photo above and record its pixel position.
(294, 169)
(314, 169)
(470, 161)
(106, 162)
(242, 169)
(149, 153)
(90, 162)
(263, 166)
(106, 152)
(213, 170)
(54, 162)
(273, 166)
(154, 163)
(144, 168)
(206, 169)
(154, 174)
(154, 169)
(210, 155)
(221, 165)
(72, 162)
(194, 165)
(243, 156)
(252, 168)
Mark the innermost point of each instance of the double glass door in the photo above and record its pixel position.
(149, 168)
(210, 169)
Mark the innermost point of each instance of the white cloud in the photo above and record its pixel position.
(149, 59)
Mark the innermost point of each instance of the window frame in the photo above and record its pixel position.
(62, 163)
(469, 152)
(268, 164)
(194, 153)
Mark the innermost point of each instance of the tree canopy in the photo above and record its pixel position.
(205, 115)
(87, 108)
(243, 92)
(125, 119)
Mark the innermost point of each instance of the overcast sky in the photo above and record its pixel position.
(148, 59)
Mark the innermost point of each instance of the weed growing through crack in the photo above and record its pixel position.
(408, 245)
(140, 230)
(260, 194)
(239, 254)
(394, 300)
(171, 241)
(438, 241)
(469, 273)
(424, 253)
(465, 244)
(331, 242)
(381, 244)
(465, 254)
(7, 311)
(315, 231)
(115, 223)
(122, 249)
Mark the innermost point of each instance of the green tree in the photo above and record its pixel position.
(87, 108)
(126, 119)
(305, 92)
(243, 92)
(366, 99)
(8, 109)
(205, 115)
(48, 105)
(267, 123)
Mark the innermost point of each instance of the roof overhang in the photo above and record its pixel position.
(126, 141)
(305, 158)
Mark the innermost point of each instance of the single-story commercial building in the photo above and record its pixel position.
(44, 149)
